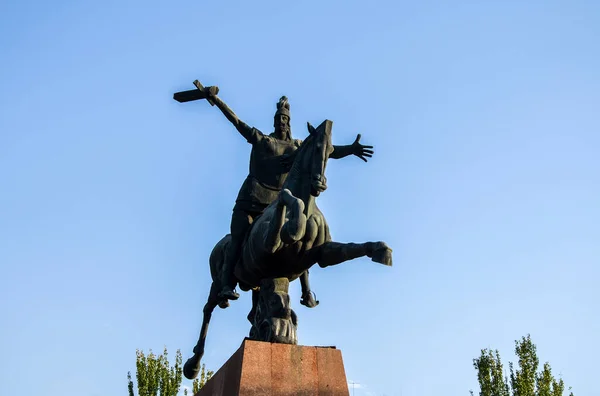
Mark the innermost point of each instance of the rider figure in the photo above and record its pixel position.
(270, 162)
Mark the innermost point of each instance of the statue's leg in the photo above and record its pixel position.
(192, 365)
(308, 297)
(281, 230)
(255, 294)
(240, 222)
(272, 238)
(333, 253)
(295, 228)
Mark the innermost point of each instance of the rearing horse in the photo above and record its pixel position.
(289, 237)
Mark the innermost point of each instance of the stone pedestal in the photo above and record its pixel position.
(269, 369)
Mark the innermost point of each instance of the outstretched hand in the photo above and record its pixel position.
(211, 92)
(361, 151)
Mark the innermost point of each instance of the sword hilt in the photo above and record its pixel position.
(210, 91)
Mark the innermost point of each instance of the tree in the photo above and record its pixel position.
(490, 374)
(525, 380)
(156, 377)
(199, 382)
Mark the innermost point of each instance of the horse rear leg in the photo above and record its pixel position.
(333, 253)
(192, 365)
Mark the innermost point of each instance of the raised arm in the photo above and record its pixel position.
(361, 151)
(249, 133)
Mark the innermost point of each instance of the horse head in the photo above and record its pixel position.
(311, 159)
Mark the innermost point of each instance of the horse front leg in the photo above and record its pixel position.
(281, 231)
(252, 312)
(333, 253)
(294, 228)
(308, 298)
(191, 368)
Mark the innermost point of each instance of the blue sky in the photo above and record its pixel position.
(485, 182)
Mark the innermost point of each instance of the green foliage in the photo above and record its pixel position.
(525, 380)
(130, 385)
(205, 375)
(156, 377)
(201, 380)
(490, 374)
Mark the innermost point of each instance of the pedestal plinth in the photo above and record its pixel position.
(269, 369)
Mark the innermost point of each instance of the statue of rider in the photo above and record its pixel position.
(270, 161)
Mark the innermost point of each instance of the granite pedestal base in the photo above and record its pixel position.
(269, 369)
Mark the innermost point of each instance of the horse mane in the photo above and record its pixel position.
(295, 171)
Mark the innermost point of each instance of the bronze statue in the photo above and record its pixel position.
(270, 159)
(277, 231)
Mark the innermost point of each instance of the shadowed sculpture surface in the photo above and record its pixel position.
(277, 230)
(284, 242)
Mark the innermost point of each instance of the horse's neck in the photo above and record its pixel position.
(298, 180)
(300, 188)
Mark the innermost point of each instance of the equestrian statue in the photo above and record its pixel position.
(277, 230)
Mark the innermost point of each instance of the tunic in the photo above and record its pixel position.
(266, 175)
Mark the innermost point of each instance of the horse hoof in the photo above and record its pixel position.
(309, 300)
(309, 303)
(223, 304)
(382, 255)
(191, 368)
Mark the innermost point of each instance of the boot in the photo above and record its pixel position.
(228, 293)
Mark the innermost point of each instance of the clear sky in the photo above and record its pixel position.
(485, 182)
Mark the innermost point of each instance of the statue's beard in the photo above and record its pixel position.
(283, 131)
